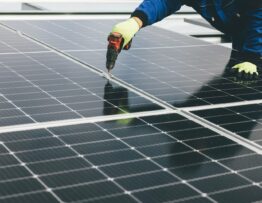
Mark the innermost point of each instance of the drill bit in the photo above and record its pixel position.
(110, 65)
(109, 74)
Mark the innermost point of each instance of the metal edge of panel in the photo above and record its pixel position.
(78, 121)
(223, 105)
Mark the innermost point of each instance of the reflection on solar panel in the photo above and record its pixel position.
(150, 159)
(243, 120)
(164, 158)
(167, 65)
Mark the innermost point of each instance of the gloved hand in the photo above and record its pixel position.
(127, 29)
(246, 70)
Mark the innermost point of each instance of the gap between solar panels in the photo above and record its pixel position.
(215, 106)
(156, 100)
(25, 127)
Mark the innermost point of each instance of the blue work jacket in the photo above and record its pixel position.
(240, 19)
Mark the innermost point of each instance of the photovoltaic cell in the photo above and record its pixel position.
(115, 168)
(244, 120)
(178, 69)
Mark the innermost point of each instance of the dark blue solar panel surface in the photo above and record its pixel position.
(178, 69)
(157, 159)
(38, 85)
(244, 120)
(165, 158)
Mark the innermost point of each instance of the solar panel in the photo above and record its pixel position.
(244, 120)
(164, 158)
(91, 34)
(148, 159)
(180, 70)
(44, 86)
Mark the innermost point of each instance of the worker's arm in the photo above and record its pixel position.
(152, 11)
(149, 12)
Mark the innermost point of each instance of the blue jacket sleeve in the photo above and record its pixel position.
(253, 40)
(152, 11)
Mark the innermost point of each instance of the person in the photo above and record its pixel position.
(239, 19)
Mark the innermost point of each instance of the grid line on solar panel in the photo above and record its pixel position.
(143, 174)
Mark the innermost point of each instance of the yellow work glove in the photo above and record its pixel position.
(127, 29)
(246, 70)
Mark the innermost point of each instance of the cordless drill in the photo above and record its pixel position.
(115, 44)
